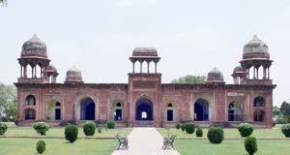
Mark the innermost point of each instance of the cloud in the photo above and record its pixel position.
(131, 3)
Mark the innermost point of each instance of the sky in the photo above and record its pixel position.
(191, 36)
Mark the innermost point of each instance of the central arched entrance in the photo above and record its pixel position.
(87, 109)
(144, 110)
(201, 110)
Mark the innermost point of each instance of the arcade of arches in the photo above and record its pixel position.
(144, 98)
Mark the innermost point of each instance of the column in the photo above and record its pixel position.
(155, 67)
(21, 71)
(148, 67)
(141, 62)
(269, 73)
(264, 72)
(25, 71)
(32, 72)
(254, 73)
(133, 63)
(257, 73)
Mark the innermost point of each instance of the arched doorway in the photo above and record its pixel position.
(259, 116)
(57, 111)
(201, 110)
(170, 112)
(234, 112)
(87, 109)
(118, 112)
(144, 110)
(29, 114)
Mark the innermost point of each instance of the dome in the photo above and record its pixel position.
(51, 69)
(238, 69)
(34, 47)
(256, 48)
(145, 52)
(73, 75)
(215, 76)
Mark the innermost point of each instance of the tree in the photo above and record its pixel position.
(276, 111)
(8, 102)
(190, 79)
(285, 108)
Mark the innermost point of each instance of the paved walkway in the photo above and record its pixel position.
(145, 141)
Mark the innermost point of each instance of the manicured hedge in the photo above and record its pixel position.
(199, 132)
(189, 128)
(251, 145)
(215, 135)
(110, 124)
(41, 127)
(40, 146)
(3, 128)
(245, 129)
(71, 133)
(286, 130)
(89, 128)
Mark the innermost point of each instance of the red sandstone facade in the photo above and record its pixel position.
(145, 100)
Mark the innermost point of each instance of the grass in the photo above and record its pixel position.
(56, 144)
(14, 146)
(229, 133)
(59, 132)
(231, 147)
(270, 142)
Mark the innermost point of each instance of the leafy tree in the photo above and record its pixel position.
(276, 111)
(8, 102)
(190, 79)
(285, 108)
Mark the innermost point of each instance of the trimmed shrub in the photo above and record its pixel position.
(41, 128)
(177, 126)
(251, 145)
(99, 130)
(182, 126)
(40, 146)
(110, 124)
(71, 133)
(199, 132)
(215, 135)
(89, 128)
(286, 130)
(189, 128)
(3, 128)
(245, 129)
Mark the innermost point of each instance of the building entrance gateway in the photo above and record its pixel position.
(144, 110)
(87, 109)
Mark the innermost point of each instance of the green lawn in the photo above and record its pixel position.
(56, 144)
(229, 133)
(232, 145)
(59, 132)
(14, 146)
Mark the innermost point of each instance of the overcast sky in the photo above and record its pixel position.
(192, 36)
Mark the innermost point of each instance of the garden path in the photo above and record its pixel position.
(145, 141)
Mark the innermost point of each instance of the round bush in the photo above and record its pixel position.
(245, 129)
(177, 126)
(71, 133)
(110, 124)
(286, 130)
(251, 145)
(3, 128)
(215, 135)
(199, 132)
(99, 130)
(41, 127)
(40, 146)
(189, 128)
(89, 128)
(182, 126)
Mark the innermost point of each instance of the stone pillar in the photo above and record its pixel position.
(155, 67)
(133, 63)
(148, 67)
(141, 62)
(268, 73)
(21, 71)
